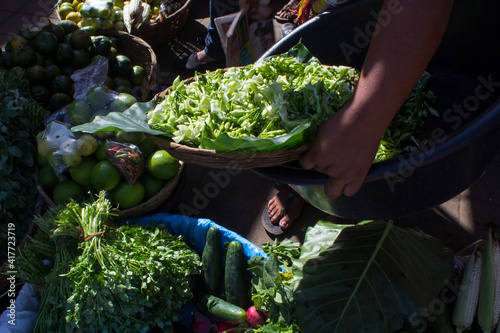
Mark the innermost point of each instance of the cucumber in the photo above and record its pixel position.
(236, 277)
(219, 309)
(212, 261)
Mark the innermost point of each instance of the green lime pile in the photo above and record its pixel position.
(92, 169)
(48, 56)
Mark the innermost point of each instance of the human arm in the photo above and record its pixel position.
(346, 144)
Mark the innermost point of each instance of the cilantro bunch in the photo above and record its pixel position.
(117, 279)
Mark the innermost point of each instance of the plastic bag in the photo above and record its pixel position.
(94, 74)
(98, 13)
(127, 158)
(62, 147)
(20, 316)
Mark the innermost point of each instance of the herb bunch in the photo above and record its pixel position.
(20, 119)
(121, 279)
(272, 286)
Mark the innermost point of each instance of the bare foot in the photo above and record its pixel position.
(291, 205)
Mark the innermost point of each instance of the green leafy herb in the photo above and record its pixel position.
(114, 279)
(20, 119)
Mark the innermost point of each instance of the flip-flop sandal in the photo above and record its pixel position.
(275, 229)
(289, 17)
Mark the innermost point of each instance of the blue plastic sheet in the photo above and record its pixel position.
(195, 231)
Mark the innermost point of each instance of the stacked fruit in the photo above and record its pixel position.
(49, 56)
(125, 164)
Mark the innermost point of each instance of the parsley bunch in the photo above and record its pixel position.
(122, 279)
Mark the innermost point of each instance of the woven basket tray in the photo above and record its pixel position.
(231, 159)
(138, 210)
(161, 32)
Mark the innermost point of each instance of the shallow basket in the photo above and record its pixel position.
(225, 159)
(230, 159)
(161, 32)
(141, 209)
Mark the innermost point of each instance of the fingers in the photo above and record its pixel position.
(334, 187)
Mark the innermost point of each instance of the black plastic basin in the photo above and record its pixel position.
(465, 76)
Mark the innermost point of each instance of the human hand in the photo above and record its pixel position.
(344, 149)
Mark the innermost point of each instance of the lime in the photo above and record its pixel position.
(105, 176)
(86, 145)
(51, 71)
(101, 45)
(47, 146)
(41, 160)
(59, 100)
(47, 177)
(147, 147)
(138, 75)
(68, 26)
(101, 112)
(79, 112)
(126, 195)
(74, 16)
(152, 185)
(80, 39)
(100, 153)
(64, 11)
(121, 65)
(99, 97)
(66, 190)
(162, 165)
(82, 172)
(36, 74)
(104, 13)
(122, 102)
(64, 54)
(46, 42)
(23, 56)
(62, 83)
(71, 158)
(119, 81)
(129, 137)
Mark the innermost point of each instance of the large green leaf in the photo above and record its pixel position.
(368, 277)
(134, 119)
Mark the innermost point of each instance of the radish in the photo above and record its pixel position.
(201, 324)
(256, 318)
(222, 327)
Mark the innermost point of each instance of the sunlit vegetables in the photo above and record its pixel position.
(271, 104)
(107, 278)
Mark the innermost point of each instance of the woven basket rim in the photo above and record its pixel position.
(141, 208)
(241, 159)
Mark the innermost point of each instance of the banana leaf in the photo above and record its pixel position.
(133, 119)
(369, 277)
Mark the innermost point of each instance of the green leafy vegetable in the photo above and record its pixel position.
(20, 119)
(115, 279)
(367, 278)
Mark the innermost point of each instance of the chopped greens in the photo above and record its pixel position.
(264, 101)
(272, 104)
(106, 278)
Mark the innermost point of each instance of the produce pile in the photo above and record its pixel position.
(275, 103)
(128, 166)
(52, 58)
(104, 277)
(117, 14)
(20, 120)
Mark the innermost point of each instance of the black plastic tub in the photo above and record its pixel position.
(462, 143)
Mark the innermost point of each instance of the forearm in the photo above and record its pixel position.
(399, 53)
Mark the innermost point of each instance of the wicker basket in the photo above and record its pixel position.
(231, 159)
(139, 53)
(161, 32)
(138, 210)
